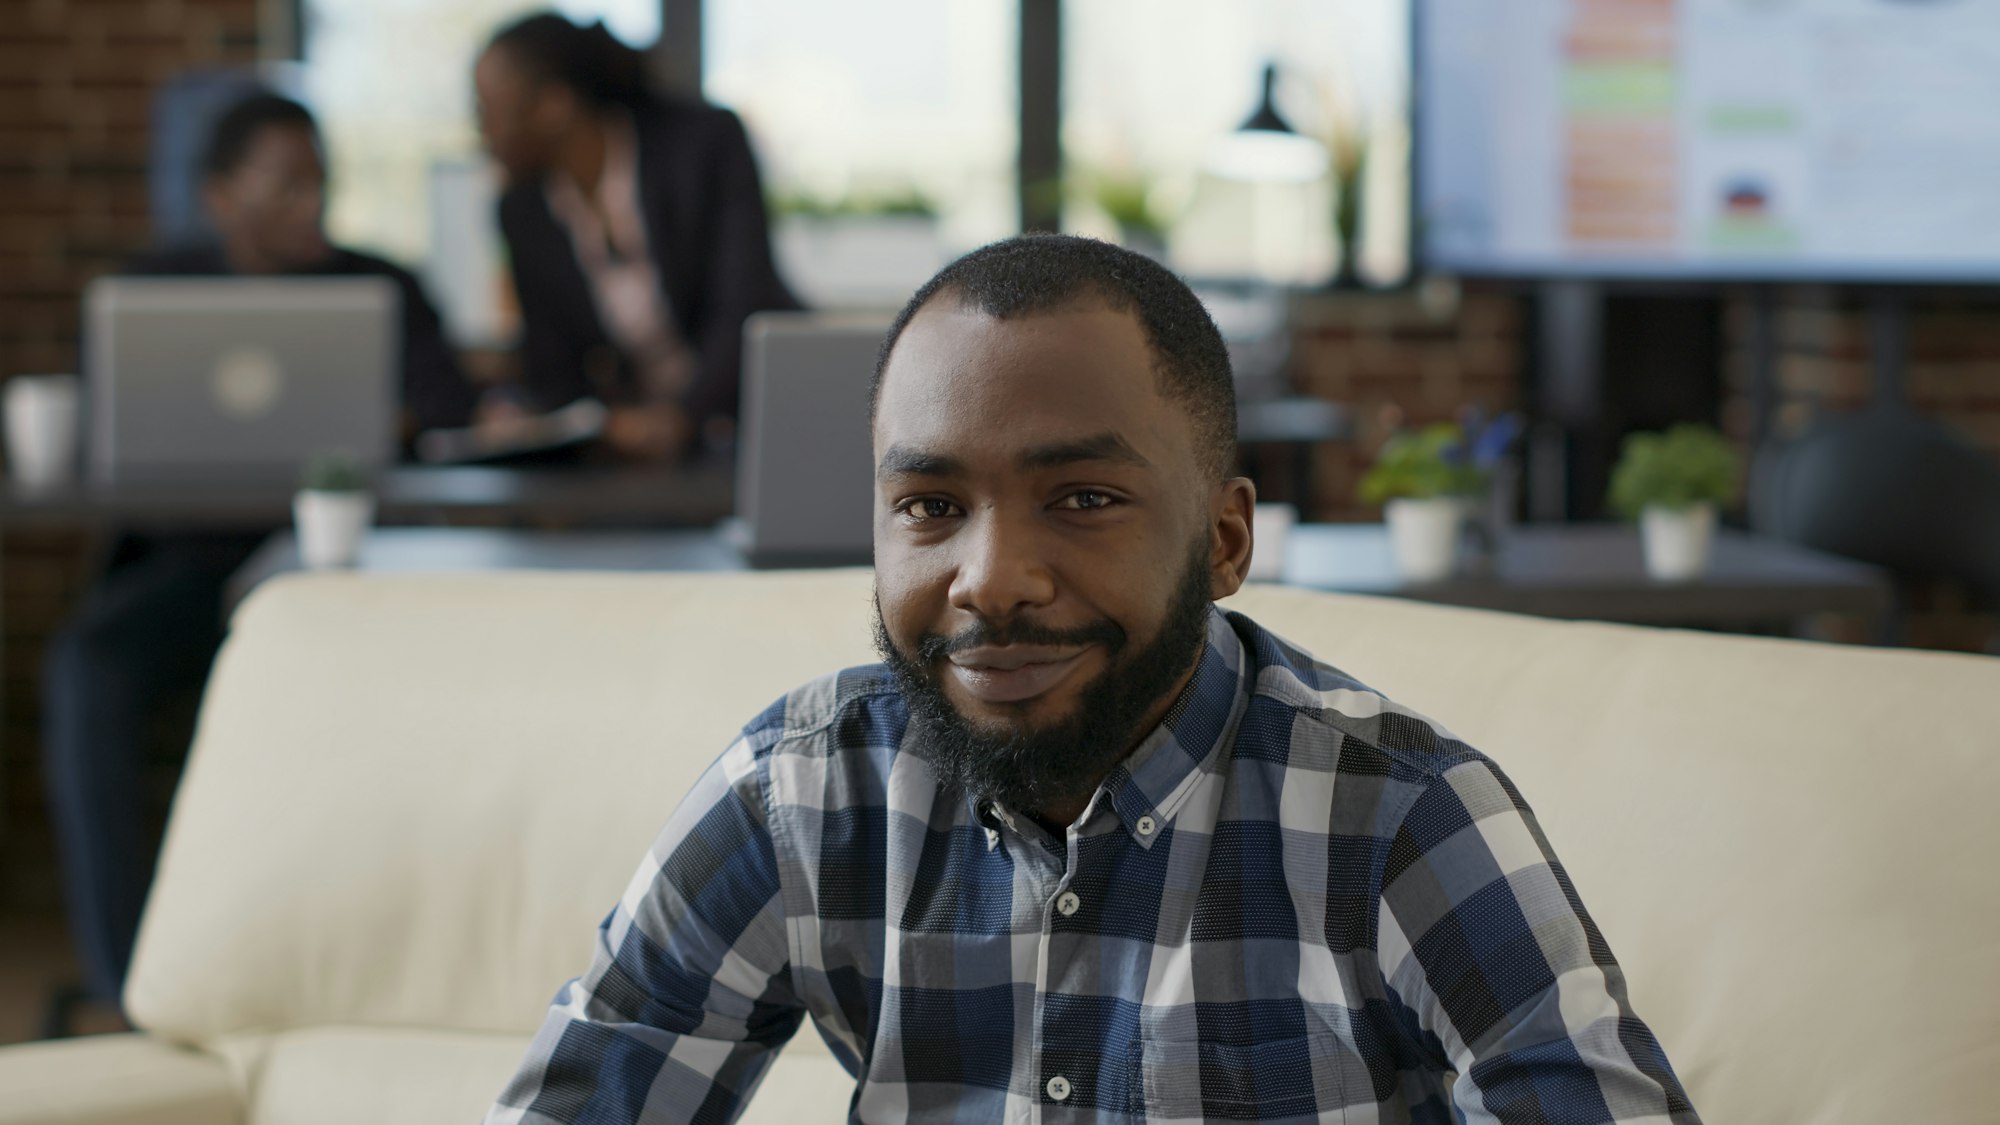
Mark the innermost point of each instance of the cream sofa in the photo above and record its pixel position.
(412, 799)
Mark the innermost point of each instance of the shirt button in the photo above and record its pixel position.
(1066, 905)
(1059, 1088)
(1146, 826)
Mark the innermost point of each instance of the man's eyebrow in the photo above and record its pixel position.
(903, 461)
(1106, 446)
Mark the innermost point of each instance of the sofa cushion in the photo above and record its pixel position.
(412, 798)
(115, 1080)
(1786, 845)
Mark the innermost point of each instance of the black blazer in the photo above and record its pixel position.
(711, 244)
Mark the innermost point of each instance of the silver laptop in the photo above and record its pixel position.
(805, 471)
(203, 375)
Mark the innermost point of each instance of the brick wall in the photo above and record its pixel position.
(1823, 365)
(1393, 356)
(76, 81)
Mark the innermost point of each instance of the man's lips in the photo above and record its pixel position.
(1012, 673)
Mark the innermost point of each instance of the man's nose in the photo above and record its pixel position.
(1002, 569)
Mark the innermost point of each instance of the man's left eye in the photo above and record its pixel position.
(1087, 500)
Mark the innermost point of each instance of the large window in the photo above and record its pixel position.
(889, 132)
(1151, 89)
(391, 81)
(886, 130)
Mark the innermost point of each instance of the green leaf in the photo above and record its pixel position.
(1687, 465)
(334, 472)
(1422, 465)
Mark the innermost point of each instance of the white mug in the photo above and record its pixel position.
(43, 417)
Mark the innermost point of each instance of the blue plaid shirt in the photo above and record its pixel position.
(1295, 901)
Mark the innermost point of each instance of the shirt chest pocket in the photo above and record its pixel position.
(1298, 1076)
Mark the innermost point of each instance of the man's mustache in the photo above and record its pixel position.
(933, 647)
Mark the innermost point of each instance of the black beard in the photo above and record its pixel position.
(1029, 769)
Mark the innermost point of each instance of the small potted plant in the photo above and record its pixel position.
(1672, 483)
(1128, 200)
(332, 511)
(1424, 480)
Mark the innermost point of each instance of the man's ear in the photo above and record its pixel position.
(1230, 536)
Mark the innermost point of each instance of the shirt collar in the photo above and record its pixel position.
(1156, 779)
(612, 221)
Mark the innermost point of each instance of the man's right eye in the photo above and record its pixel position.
(927, 508)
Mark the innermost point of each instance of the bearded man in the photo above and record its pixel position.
(1085, 847)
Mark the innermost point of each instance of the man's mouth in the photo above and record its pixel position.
(1013, 673)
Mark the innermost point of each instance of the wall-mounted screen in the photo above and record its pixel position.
(1833, 139)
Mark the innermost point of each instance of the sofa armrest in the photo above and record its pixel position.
(114, 1080)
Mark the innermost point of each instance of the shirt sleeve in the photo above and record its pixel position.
(689, 996)
(1501, 976)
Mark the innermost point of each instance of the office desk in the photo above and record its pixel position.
(431, 549)
(1588, 571)
(695, 496)
(1596, 572)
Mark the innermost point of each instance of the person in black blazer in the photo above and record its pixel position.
(637, 234)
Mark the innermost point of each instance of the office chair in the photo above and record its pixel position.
(1888, 486)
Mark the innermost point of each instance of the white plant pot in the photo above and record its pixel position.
(331, 526)
(1270, 526)
(1424, 536)
(1677, 541)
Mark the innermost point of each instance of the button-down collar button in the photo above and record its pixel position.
(1146, 825)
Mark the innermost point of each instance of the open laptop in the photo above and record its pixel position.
(201, 376)
(805, 472)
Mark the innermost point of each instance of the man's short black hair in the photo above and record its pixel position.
(1040, 273)
(236, 130)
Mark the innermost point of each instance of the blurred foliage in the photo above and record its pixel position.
(1689, 464)
(1349, 183)
(1128, 200)
(1423, 465)
(903, 202)
(334, 472)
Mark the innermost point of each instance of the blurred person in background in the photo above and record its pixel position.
(637, 233)
(265, 189)
(148, 630)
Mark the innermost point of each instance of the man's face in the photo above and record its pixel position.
(272, 201)
(1048, 537)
